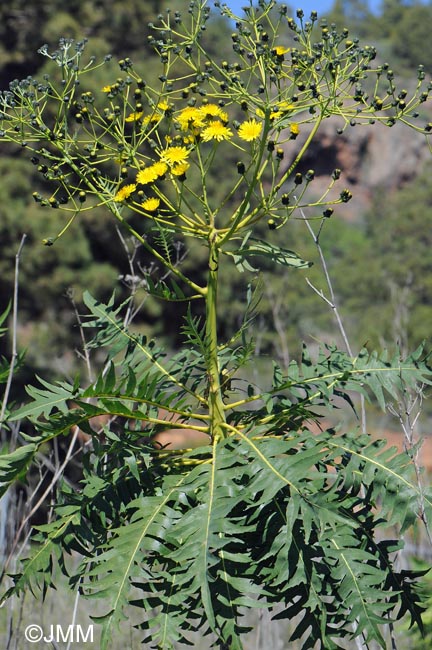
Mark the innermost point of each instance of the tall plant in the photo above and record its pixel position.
(265, 513)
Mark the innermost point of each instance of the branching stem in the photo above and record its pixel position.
(215, 401)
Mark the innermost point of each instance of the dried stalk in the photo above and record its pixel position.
(332, 303)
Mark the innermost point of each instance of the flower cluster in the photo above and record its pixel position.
(172, 159)
(208, 122)
(161, 109)
(193, 125)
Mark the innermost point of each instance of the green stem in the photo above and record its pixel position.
(300, 154)
(256, 177)
(215, 401)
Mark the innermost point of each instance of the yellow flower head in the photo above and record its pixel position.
(107, 89)
(151, 173)
(250, 130)
(147, 175)
(174, 155)
(212, 111)
(154, 118)
(278, 111)
(124, 193)
(190, 118)
(280, 50)
(134, 117)
(163, 105)
(285, 107)
(151, 204)
(180, 168)
(294, 129)
(160, 168)
(216, 131)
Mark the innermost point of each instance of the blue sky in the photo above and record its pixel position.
(321, 6)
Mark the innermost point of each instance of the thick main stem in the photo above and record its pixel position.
(215, 401)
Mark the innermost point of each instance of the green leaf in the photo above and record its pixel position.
(3, 317)
(258, 248)
(14, 466)
(36, 570)
(53, 396)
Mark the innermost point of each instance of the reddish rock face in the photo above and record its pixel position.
(370, 159)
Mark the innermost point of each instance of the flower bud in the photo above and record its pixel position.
(345, 196)
(125, 64)
(377, 103)
(298, 179)
(82, 196)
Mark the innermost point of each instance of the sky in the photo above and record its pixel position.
(321, 6)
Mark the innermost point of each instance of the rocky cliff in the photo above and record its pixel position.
(371, 158)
